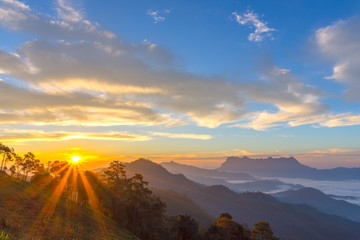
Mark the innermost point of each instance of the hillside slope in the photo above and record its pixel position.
(177, 204)
(28, 215)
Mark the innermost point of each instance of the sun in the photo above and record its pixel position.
(75, 159)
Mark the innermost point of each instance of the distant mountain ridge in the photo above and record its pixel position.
(286, 167)
(288, 221)
(319, 200)
(189, 170)
(215, 177)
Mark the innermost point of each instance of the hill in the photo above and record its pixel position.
(177, 204)
(288, 221)
(286, 167)
(321, 201)
(22, 215)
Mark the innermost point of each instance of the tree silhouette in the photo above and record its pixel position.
(225, 228)
(184, 228)
(7, 155)
(262, 231)
(30, 164)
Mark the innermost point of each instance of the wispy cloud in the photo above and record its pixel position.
(252, 19)
(183, 135)
(67, 12)
(26, 135)
(294, 100)
(341, 43)
(157, 15)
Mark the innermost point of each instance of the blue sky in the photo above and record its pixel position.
(191, 81)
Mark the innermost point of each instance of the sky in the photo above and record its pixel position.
(188, 81)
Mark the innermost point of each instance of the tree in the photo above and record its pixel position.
(185, 228)
(29, 164)
(17, 166)
(6, 152)
(131, 203)
(262, 231)
(115, 174)
(225, 228)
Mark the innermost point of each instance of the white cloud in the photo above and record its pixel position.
(157, 15)
(341, 120)
(341, 43)
(183, 135)
(252, 19)
(16, 4)
(26, 135)
(67, 12)
(294, 100)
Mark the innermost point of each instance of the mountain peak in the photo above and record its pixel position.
(263, 166)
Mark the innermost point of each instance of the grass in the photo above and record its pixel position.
(4, 235)
(20, 208)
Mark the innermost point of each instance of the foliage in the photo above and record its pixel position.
(132, 203)
(262, 231)
(225, 228)
(184, 227)
(4, 235)
(6, 155)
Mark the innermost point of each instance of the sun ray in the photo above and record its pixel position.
(35, 191)
(40, 223)
(94, 204)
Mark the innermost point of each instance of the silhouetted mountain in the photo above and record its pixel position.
(288, 221)
(286, 167)
(321, 201)
(214, 177)
(191, 171)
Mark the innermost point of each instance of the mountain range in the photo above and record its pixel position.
(288, 221)
(320, 201)
(242, 182)
(286, 167)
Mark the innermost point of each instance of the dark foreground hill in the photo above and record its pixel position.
(177, 204)
(22, 215)
(321, 201)
(286, 167)
(288, 221)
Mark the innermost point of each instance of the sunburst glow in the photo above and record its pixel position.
(75, 159)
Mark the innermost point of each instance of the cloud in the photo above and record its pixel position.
(183, 135)
(294, 100)
(74, 73)
(20, 106)
(252, 19)
(89, 65)
(27, 135)
(341, 120)
(67, 12)
(340, 42)
(155, 14)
